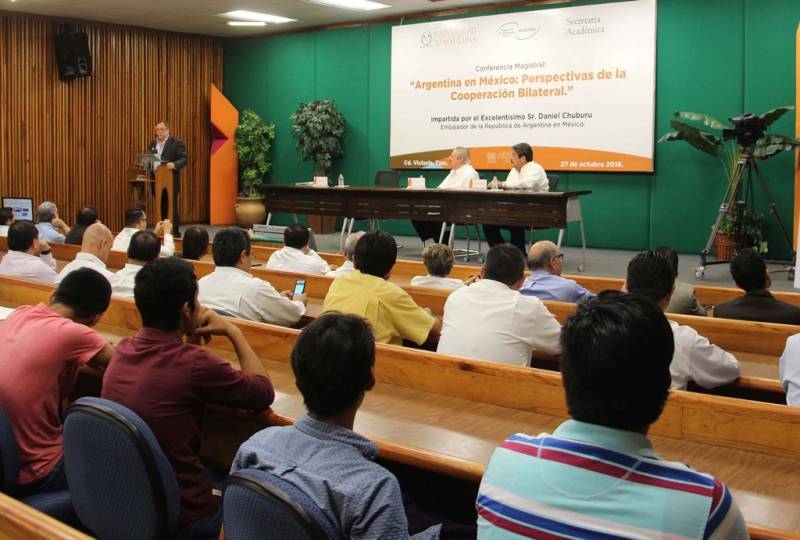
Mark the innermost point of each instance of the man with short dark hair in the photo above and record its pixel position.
(696, 359)
(6, 219)
(95, 249)
(51, 227)
(390, 310)
(144, 247)
(28, 256)
(168, 382)
(86, 216)
(232, 289)
(136, 220)
(683, 301)
(751, 275)
(333, 362)
(525, 174)
(490, 320)
(43, 347)
(296, 254)
(546, 262)
(597, 475)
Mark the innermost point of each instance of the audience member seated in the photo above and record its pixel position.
(28, 256)
(490, 320)
(195, 244)
(790, 370)
(136, 220)
(232, 289)
(683, 299)
(333, 362)
(95, 249)
(168, 382)
(546, 263)
(50, 226)
(597, 475)
(390, 310)
(86, 216)
(296, 255)
(43, 347)
(751, 275)
(144, 247)
(696, 359)
(438, 260)
(349, 248)
(6, 219)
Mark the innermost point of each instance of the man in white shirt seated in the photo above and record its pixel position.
(296, 255)
(790, 370)
(6, 219)
(461, 174)
(349, 248)
(144, 247)
(525, 174)
(233, 290)
(50, 226)
(695, 358)
(28, 256)
(136, 220)
(438, 260)
(545, 283)
(95, 249)
(490, 320)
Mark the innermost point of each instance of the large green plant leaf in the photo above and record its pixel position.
(770, 116)
(702, 140)
(709, 121)
(771, 145)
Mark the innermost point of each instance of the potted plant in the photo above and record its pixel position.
(741, 225)
(319, 131)
(254, 138)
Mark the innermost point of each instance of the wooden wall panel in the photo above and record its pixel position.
(73, 142)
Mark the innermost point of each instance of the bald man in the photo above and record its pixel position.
(461, 173)
(349, 248)
(546, 261)
(95, 249)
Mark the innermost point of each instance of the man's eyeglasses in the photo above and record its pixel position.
(559, 256)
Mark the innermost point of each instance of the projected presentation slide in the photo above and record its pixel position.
(577, 84)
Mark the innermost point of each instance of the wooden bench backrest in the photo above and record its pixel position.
(18, 520)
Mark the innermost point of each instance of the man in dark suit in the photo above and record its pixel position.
(172, 153)
(750, 273)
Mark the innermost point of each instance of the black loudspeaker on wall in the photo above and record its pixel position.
(72, 54)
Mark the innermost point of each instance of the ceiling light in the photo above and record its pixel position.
(364, 5)
(247, 23)
(255, 16)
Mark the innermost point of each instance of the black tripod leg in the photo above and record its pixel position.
(774, 209)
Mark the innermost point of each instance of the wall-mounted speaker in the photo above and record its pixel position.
(72, 54)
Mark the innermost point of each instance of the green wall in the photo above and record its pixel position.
(721, 57)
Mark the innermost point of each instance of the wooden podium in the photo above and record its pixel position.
(152, 190)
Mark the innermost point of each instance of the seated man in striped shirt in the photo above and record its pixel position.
(597, 475)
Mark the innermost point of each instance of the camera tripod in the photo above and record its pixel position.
(747, 167)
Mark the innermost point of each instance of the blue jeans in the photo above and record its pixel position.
(56, 480)
(204, 528)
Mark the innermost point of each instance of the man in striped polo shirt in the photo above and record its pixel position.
(597, 475)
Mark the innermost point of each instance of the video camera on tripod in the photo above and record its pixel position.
(747, 129)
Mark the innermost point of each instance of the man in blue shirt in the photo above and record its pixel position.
(546, 261)
(50, 226)
(333, 363)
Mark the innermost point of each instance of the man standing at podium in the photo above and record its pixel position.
(172, 154)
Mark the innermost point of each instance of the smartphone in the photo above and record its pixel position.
(299, 287)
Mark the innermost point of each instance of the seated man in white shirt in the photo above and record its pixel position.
(790, 370)
(438, 260)
(50, 226)
(525, 174)
(95, 249)
(6, 219)
(490, 320)
(461, 173)
(144, 247)
(231, 288)
(136, 220)
(296, 255)
(28, 256)
(349, 248)
(695, 358)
